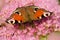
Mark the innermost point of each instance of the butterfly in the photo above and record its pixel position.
(27, 14)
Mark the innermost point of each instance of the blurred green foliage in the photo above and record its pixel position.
(43, 38)
(59, 1)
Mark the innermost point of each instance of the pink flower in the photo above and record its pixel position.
(8, 32)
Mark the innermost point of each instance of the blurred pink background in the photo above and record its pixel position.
(51, 5)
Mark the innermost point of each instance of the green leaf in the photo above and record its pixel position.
(43, 38)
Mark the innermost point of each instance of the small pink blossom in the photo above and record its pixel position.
(9, 32)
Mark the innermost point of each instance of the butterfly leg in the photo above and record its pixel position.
(21, 26)
(32, 24)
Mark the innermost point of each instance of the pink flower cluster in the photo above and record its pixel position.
(8, 32)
